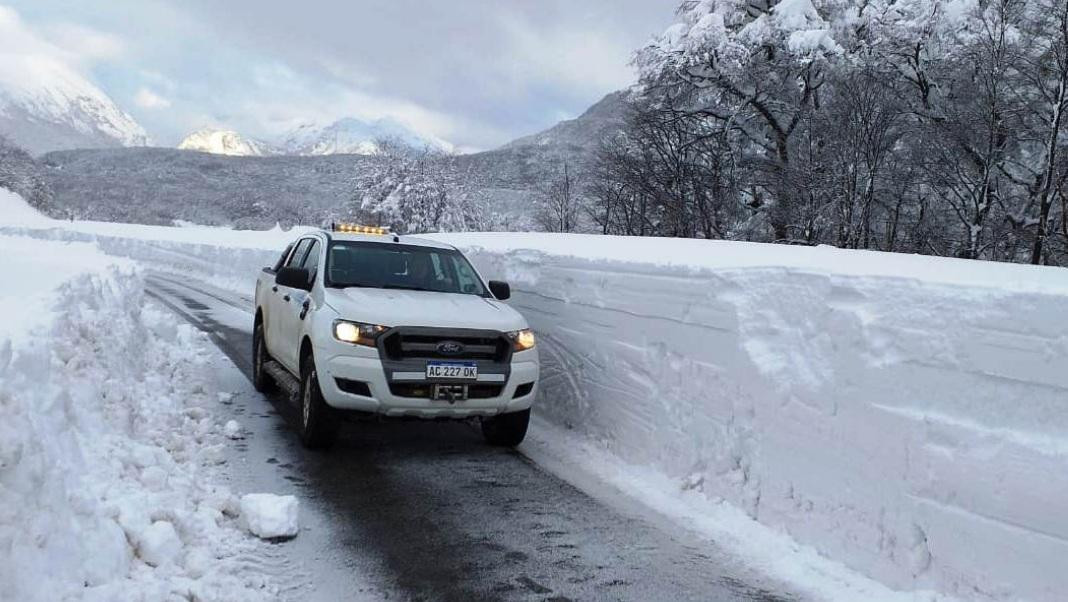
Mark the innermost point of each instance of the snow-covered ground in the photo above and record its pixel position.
(855, 422)
(109, 445)
(902, 414)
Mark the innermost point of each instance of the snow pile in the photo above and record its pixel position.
(903, 415)
(16, 211)
(233, 430)
(108, 448)
(269, 516)
(226, 257)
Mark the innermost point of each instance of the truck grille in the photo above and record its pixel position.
(442, 344)
(425, 391)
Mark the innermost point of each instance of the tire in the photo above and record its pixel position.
(318, 422)
(261, 381)
(507, 430)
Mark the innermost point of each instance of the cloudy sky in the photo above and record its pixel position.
(477, 73)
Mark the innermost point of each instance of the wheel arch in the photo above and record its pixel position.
(305, 352)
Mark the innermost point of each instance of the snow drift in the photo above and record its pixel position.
(108, 444)
(904, 415)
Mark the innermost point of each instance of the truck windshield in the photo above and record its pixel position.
(399, 266)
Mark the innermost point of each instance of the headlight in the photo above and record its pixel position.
(522, 339)
(357, 333)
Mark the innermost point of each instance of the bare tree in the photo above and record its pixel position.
(559, 205)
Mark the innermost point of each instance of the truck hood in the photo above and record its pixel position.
(421, 308)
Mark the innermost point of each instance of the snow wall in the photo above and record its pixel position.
(907, 416)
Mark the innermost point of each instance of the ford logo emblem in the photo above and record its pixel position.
(450, 348)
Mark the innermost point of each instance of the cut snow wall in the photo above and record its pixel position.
(915, 430)
(905, 415)
(234, 266)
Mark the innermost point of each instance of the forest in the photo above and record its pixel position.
(920, 127)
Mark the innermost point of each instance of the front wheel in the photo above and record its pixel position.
(261, 381)
(506, 430)
(318, 421)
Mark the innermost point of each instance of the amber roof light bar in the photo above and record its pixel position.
(346, 228)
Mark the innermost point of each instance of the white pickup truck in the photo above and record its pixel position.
(356, 319)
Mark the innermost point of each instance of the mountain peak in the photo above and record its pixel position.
(45, 105)
(346, 136)
(224, 142)
(351, 135)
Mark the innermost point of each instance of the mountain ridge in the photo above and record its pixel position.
(346, 136)
(258, 191)
(46, 106)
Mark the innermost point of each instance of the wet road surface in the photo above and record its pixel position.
(427, 511)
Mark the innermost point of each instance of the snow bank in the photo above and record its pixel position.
(229, 258)
(15, 210)
(108, 448)
(903, 415)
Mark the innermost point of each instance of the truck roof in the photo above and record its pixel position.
(389, 239)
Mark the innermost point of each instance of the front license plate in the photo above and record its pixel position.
(452, 370)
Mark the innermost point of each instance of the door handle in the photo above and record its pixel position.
(286, 298)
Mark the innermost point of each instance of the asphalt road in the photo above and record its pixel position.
(427, 511)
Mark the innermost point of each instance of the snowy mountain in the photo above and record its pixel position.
(584, 132)
(259, 191)
(348, 136)
(528, 162)
(45, 105)
(355, 137)
(226, 142)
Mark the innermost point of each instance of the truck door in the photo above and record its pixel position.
(292, 314)
(280, 305)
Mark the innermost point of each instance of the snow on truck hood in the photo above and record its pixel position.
(421, 308)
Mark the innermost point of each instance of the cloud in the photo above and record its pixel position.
(84, 44)
(147, 99)
(283, 99)
(476, 73)
(33, 67)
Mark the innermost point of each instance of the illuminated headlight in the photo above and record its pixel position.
(357, 333)
(522, 339)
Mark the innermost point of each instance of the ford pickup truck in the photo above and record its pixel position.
(358, 320)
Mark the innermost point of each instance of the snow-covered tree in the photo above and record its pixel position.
(417, 191)
(931, 126)
(21, 174)
(754, 69)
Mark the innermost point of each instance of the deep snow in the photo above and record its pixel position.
(109, 446)
(900, 415)
(904, 415)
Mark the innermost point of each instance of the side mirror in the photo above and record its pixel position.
(297, 278)
(501, 290)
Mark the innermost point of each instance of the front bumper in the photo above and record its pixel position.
(524, 369)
